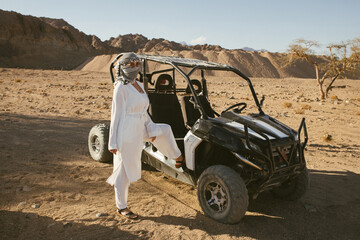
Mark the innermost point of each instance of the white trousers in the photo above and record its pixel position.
(165, 143)
(121, 187)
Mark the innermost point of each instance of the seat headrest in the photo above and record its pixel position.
(164, 82)
(197, 85)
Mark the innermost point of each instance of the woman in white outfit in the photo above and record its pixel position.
(130, 127)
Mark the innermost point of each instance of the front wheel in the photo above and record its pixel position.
(222, 194)
(293, 189)
(98, 143)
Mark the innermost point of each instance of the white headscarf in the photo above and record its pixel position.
(126, 74)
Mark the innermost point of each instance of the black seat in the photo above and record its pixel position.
(190, 113)
(196, 84)
(165, 108)
(164, 83)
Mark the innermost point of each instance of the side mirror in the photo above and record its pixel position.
(262, 100)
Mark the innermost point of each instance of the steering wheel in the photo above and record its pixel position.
(239, 110)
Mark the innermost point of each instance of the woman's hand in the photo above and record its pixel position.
(153, 138)
(113, 151)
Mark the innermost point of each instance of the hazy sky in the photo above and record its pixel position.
(259, 24)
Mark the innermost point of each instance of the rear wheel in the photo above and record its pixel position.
(222, 194)
(293, 189)
(98, 143)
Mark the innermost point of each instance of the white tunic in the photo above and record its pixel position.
(130, 126)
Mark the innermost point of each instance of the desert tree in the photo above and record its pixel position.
(343, 57)
(355, 49)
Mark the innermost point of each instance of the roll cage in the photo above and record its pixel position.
(194, 64)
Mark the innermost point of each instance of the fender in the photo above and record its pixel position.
(191, 142)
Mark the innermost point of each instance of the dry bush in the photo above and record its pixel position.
(287, 105)
(306, 107)
(341, 61)
(326, 137)
(17, 80)
(299, 111)
(358, 113)
(358, 99)
(334, 97)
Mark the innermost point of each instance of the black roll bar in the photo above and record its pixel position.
(251, 89)
(112, 66)
(197, 101)
(302, 145)
(187, 77)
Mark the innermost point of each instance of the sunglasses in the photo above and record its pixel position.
(134, 64)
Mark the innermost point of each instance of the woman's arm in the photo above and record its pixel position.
(117, 116)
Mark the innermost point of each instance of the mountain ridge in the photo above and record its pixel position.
(48, 43)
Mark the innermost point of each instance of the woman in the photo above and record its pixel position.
(130, 127)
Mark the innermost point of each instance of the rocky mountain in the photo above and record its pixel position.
(128, 42)
(139, 43)
(249, 49)
(46, 43)
(31, 42)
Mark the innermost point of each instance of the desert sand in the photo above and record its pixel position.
(52, 189)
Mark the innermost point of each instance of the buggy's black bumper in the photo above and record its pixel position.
(284, 159)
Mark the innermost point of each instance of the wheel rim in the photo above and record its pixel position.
(95, 144)
(216, 197)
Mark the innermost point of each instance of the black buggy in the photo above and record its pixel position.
(230, 156)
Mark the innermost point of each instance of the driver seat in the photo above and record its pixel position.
(164, 83)
(190, 113)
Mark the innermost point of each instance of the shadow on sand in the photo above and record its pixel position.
(334, 196)
(20, 225)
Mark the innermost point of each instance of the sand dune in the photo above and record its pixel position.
(252, 64)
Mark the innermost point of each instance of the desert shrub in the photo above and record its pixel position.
(334, 97)
(299, 111)
(358, 113)
(17, 80)
(287, 105)
(326, 137)
(358, 99)
(306, 107)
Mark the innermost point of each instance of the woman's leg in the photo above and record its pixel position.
(166, 143)
(121, 187)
